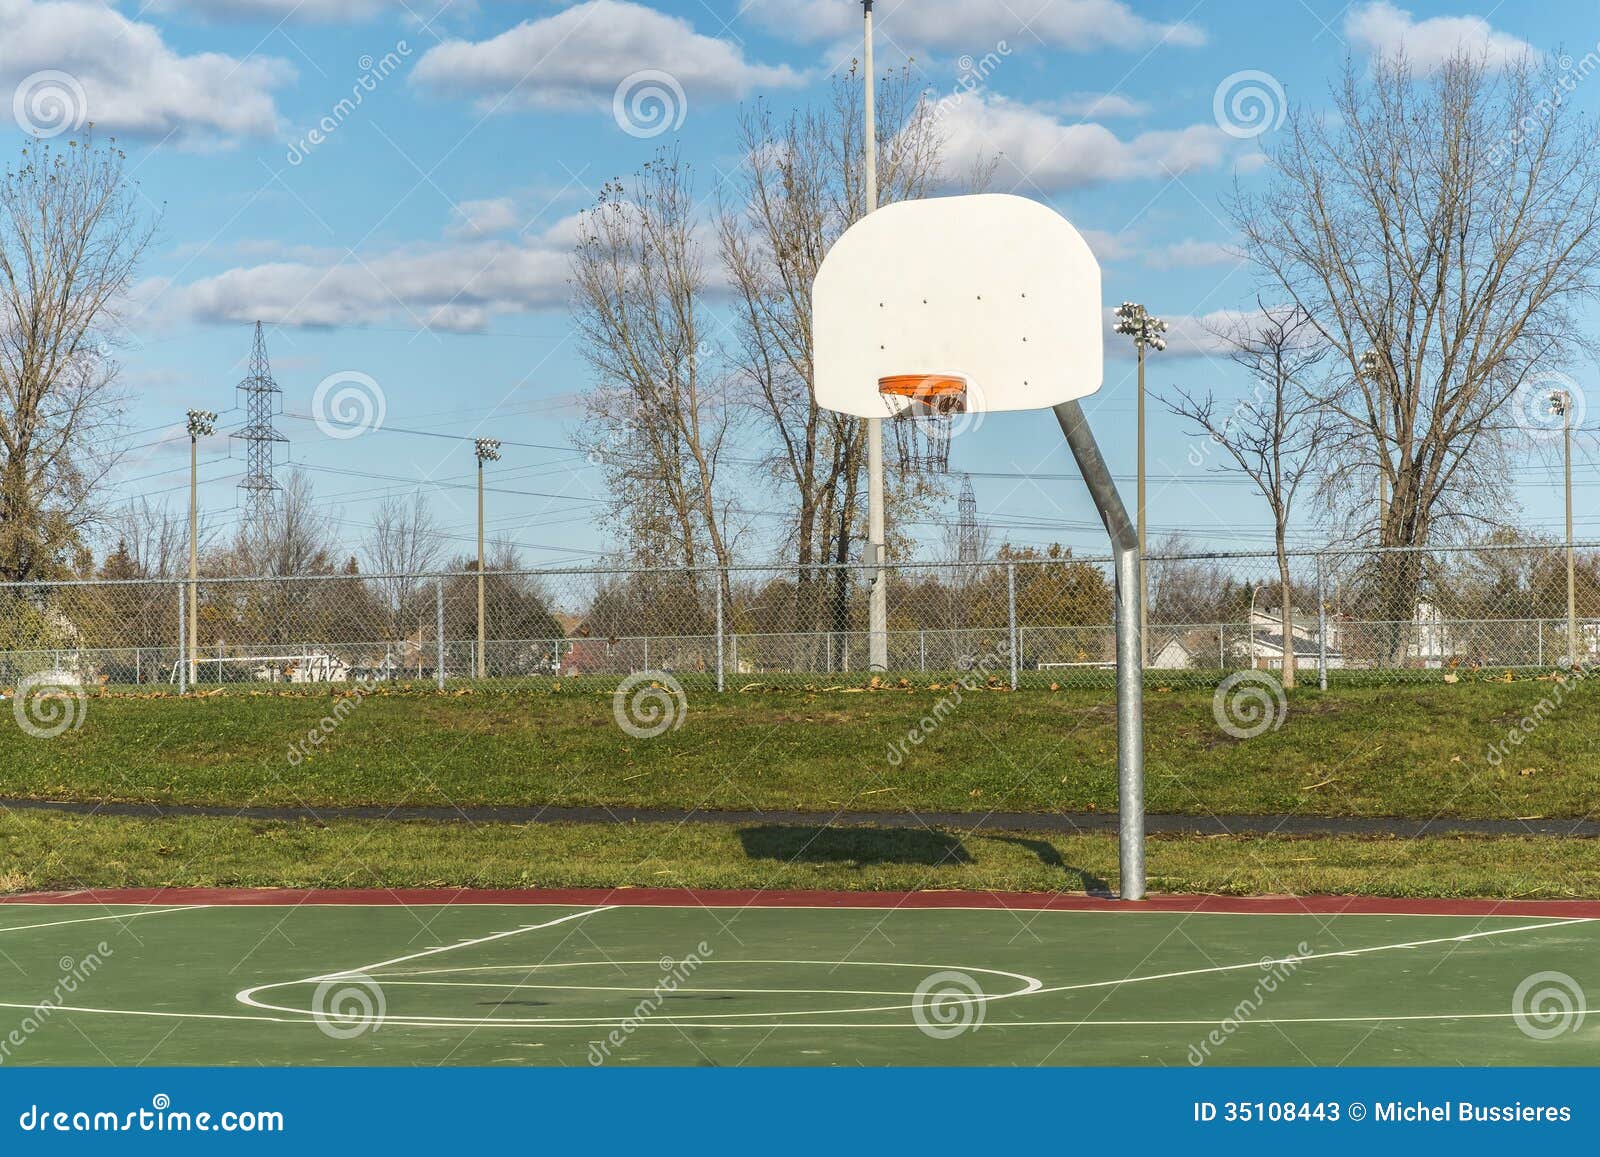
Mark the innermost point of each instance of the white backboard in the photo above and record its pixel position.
(997, 289)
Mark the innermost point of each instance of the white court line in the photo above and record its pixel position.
(389, 983)
(586, 1026)
(369, 968)
(114, 916)
(1267, 963)
(1032, 987)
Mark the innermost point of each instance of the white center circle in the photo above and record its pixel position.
(561, 977)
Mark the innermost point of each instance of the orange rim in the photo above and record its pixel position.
(923, 386)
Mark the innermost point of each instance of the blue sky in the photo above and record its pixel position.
(421, 240)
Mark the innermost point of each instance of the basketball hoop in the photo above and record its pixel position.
(922, 409)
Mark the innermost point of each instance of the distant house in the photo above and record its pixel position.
(1265, 648)
(1172, 656)
(588, 657)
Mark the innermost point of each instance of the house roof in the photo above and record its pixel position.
(1302, 647)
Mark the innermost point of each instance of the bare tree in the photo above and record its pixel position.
(71, 236)
(659, 421)
(296, 538)
(1447, 224)
(403, 544)
(154, 539)
(800, 187)
(1277, 436)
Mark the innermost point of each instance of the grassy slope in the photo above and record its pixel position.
(1416, 751)
(61, 852)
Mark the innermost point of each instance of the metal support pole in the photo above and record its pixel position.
(194, 558)
(1572, 586)
(438, 632)
(719, 630)
(1322, 629)
(922, 649)
(1011, 619)
(478, 665)
(183, 641)
(1130, 626)
(877, 591)
(1144, 585)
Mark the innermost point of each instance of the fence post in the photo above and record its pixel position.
(183, 641)
(719, 628)
(1011, 618)
(438, 632)
(922, 649)
(1322, 629)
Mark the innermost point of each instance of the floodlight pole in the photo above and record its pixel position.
(1561, 402)
(877, 590)
(487, 450)
(194, 550)
(1130, 629)
(201, 424)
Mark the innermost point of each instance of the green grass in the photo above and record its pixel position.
(43, 851)
(1404, 751)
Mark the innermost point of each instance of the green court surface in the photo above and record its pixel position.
(698, 984)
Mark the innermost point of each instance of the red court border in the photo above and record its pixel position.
(712, 898)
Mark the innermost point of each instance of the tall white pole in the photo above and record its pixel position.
(479, 666)
(877, 594)
(1572, 585)
(194, 554)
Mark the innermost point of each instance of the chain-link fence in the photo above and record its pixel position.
(1334, 616)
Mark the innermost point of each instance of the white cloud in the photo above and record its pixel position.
(1095, 105)
(1381, 29)
(130, 80)
(579, 57)
(460, 286)
(480, 218)
(1192, 254)
(303, 11)
(974, 25)
(1032, 144)
(1105, 246)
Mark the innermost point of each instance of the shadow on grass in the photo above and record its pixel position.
(813, 845)
(1092, 884)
